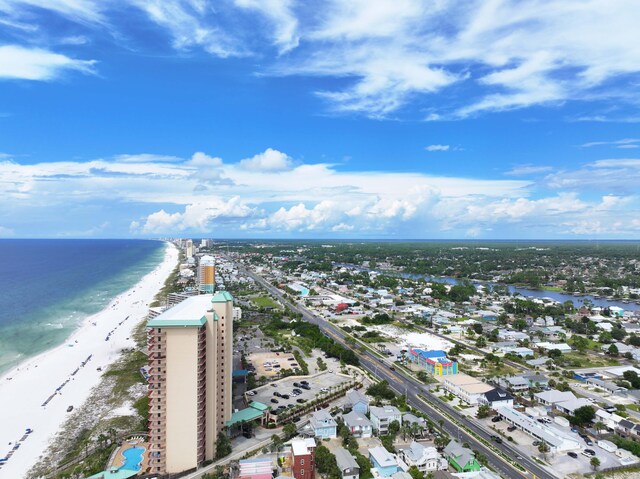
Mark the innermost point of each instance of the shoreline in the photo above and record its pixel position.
(36, 393)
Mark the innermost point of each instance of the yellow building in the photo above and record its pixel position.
(207, 274)
(190, 366)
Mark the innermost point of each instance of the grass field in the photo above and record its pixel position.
(264, 302)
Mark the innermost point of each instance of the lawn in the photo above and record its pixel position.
(577, 360)
(264, 302)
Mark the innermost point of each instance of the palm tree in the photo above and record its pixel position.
(599, 426)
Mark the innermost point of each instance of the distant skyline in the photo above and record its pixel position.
(403, 119)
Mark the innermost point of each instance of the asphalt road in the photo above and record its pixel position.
(411, 388)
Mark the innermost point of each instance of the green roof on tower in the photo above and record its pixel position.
(222, 297)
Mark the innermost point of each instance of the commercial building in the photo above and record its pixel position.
(303, 458)
(467, 388)
(207, 274)
(189, 249)
(434, 362)
(190, 368)
(557, 440)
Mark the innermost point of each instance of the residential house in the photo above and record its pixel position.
(348, 466)
(461, 458)
(496, 398)
(382, 417)
(425, 458)
(569, 407)
(608, 386)
(536, 380)
(303, 458)
(358, 424)
(323, 424)
(357, 401)
(383, 461)
(257, 468)
(553, 396)
(410, 419)
(515, 384)
(547, 346)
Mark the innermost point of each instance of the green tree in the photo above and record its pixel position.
(223, 446)
(423, 376)
(483, 411)
(481, 342)
(289, 430)
(326, 463)
(415, 473)
(583, 416)
(580, 343)
(519, 324)
(394, 427)
(613, 350)
(595, 463)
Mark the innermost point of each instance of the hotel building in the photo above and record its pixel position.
(207, 274)
(190, 366)
(189, 249)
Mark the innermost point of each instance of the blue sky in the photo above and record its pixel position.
(347, 118)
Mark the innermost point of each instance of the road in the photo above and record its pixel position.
(413, 389)
(475, 349)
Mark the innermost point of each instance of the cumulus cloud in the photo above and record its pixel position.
(198, 217)
(20, 63)
(268, 160)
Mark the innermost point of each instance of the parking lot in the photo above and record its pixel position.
(323, 381)
(560, 461)
(270, 364)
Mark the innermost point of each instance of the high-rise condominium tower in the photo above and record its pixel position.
(207, 274)
(190, 365)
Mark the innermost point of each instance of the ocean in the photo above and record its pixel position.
(47, 287)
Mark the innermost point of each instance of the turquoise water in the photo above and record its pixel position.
(47, 287)
(132, 458)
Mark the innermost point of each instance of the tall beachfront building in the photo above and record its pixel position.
(190, 365)
(189, 249)
(207, 274)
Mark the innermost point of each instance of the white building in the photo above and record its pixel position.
(557, 440)
(424, 458)
(382, 417)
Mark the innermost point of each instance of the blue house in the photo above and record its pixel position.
(324, 426)
(383, 461)
(357, 401)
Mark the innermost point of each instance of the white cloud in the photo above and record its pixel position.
(193, 24)
(280, 14)
(626, 143)
(18, 62)
(197, 217)
(268, 160)
(437, 148)
(522, 170)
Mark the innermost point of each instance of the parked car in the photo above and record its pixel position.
(511, 428)
(296, 385)
(496, 419)
(284, 396)
(274, 385)
(251, 393)
(274, 401)
(305, 386)
(589, 452)
(297, 391)
(304, 381)
(572, 454)
(70, 408)
(324, 390)
(301, 401)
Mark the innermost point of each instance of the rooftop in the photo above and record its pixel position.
(188, 313)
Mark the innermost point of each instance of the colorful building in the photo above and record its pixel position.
(207, 274)
(435, 362)
(303, 458)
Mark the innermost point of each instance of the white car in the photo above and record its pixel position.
(251, 393)
(324, 390)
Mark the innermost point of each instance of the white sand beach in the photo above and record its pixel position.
(25, 389)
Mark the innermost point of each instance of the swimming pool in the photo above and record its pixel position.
(132, 458)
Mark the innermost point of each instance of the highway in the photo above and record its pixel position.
(433, 407)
